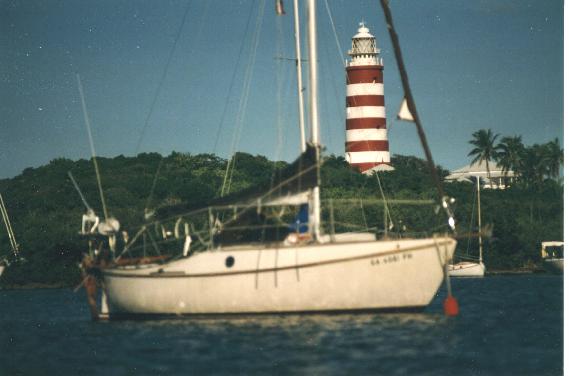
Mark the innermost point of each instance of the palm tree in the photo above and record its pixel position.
(484, 149)
(509, 154)
(533, 166)
(553, 155)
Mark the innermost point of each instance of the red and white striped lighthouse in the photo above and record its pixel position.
(366, 132)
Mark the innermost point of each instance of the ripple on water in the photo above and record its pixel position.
(507, 325)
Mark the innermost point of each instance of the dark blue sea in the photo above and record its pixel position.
(508, 325)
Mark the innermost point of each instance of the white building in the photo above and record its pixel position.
(498, 177)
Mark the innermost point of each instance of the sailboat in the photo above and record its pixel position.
(240, 255)
(13, 244)
(471, 268)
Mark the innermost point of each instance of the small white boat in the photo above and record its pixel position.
(552, 256)
(471, 268)
(467, 269)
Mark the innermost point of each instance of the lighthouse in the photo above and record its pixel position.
(367, 147)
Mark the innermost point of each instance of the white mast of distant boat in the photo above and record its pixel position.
(8, 225)
(11, 236)
(479, 221)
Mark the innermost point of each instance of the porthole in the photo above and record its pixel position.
(229, 261)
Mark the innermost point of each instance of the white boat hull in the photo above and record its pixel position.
(467, 269)
(374, 275)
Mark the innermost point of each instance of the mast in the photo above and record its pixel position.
(479, 220)
(8, 225)
(299, 78)
(413, 109)
(314, 120)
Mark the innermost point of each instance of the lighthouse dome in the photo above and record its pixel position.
(363, 32)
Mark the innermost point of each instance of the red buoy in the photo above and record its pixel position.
(451, 306)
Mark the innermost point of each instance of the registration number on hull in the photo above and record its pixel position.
(389, 259)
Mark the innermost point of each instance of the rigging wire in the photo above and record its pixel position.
(162, 78)
(360, 190)
(281, 78)
(289, 79)
(298, 61)
(335, 33)
(450, 304)
(471, 220)
(154, 181)
(232, 82)
(92, 145)
(414, 113)
(342, 62)
(279, 114)
(8, 224)
(279, 91)
(364, 215)
(338, 105)
(197, 38)
(384, 200)
(244, 99)
(85, 203)
(285, 82)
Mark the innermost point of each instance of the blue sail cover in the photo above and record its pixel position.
(300, 224)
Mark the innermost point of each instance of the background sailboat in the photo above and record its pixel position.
(470, 268)
(13, 244)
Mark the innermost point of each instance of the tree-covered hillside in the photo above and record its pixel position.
(46, 211)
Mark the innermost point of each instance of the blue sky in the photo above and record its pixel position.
(472, 64)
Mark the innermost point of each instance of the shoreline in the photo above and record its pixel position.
(515, 272)
(36, 285)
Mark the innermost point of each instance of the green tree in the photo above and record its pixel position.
(509, 154)
(484, 149)
(533, 166)
(553, 155)
(45, 210)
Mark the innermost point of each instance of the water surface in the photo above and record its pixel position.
(508, 325)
